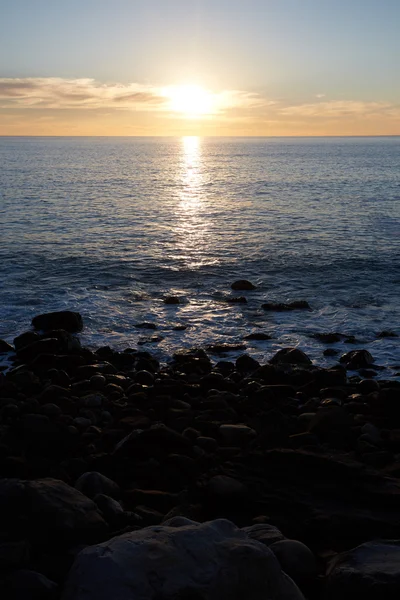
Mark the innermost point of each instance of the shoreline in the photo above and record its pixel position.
(311, 451)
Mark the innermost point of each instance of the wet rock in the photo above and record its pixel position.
(67, 320)
(92, 483)
(146, 325)
(387, 334)
(181, 559)
(242, 285)
(25, 339)
(293, 356)
(172, 300)
(330, 352)
(221, 348)
(5, 347)
(327, 338)
(356, 359)
(246, 363)
(236, 300)
(370, 571)
(258, 336)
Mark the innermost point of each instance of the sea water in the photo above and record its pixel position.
(111, 226)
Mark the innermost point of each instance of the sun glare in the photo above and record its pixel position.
(190, 100)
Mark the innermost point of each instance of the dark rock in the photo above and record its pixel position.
(236, 300)
(48, 509)
(5, 347)
(146, 325)
(330, 352)
(357, 359)
(46, 346)
(92, 483)
(296, 560)
(386, 334)
(371, 572)
(258, 336)
(14, 555)
(242, 285)
(172, 300)
(264, 533)
(179, 328)
(144, 378)
(156, 442)
(246, 363)
(330, 419)
(25, 339)
(29, 585)
(293, 356)
(327, 338)
(221, 348)
(156, 499)
(110, 508)
(67, 320)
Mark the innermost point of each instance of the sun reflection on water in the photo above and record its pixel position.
(192, 224)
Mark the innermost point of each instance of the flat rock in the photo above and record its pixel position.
(180, 559)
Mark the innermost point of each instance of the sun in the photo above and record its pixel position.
(190, 100)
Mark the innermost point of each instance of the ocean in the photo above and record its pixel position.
(111, 226)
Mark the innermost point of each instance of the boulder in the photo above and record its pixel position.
(292, 356)
(242, 285)
(296, 559)
(180, 559)
(65, 319)
(370, 571)
(357, 359)
(49, 509)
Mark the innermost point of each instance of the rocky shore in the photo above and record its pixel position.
(124, 479)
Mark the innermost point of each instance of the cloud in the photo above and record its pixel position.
(342, 109)
(59, 93)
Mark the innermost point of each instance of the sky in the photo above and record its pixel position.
(200, 67)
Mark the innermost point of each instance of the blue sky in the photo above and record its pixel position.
(287, 51)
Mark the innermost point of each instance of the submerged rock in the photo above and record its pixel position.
(180, 559)
(281, 306)
(243, 285)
